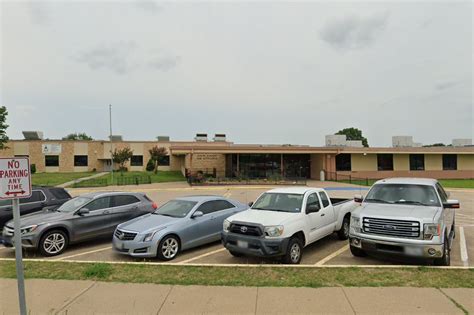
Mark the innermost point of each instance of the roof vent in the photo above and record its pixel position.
(163, 139)
(220, 137)
(335, 140)
(116, 138)
(33, 135)
(462, 142)
(201, 137)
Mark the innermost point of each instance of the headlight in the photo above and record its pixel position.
(274, 231)
(430, 230)
(28, 229)
(149, 236)
(355, 225)
(226, 225)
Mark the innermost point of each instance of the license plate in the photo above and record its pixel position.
(242, 244)
(414, 251)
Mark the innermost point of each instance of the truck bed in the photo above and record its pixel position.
(336, 201)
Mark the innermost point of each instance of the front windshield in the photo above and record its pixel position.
(279, 202)
(176, 208)
(422, 195)
(73, 204)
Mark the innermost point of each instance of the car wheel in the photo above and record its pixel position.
(343, 233)
(446, 259)
(168, 248)
(357, 252)
(53, 243)
(294, 252)
(235, 254)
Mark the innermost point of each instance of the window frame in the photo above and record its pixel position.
(94, 200)
(33, 191)
(445, 166)
(349, 162)
(75, 162)
(166, 159)
(321, 194)
(50, 156)
(413, 166)
(115, 205)
(384, 166)
(134, 163)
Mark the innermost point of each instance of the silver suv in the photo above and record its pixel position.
(404, 217)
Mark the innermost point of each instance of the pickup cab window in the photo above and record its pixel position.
(279, 202)
(422, 195)
(324, 199)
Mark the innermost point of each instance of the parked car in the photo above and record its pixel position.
(178, 225)
(283, 221)
(80, 219)
(405, 217)
(41, 197)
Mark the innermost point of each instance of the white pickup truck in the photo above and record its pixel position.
(283, 221)
(404, 217)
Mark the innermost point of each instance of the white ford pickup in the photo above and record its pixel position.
(283, 221)
(404, 217)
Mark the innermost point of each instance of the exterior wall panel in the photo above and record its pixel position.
(401, 162)
(361, 162)
(433, 162)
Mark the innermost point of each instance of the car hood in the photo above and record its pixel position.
(263, 217)
(41, 217)
(148, 222)
(397, 212)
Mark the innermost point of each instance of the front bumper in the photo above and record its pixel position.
(134, 248)
(398, 248)
(254, 246)
(27, 240)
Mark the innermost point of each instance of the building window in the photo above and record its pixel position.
(417, 162)
(164, 161)
(343, 162)
(385, 162)
(51, 160)
(80, 160)
(136, 160)
(450, 162)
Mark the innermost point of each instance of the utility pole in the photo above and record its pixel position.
(111, 157)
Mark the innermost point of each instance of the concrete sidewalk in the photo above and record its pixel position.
(70, 183)
(89, 297)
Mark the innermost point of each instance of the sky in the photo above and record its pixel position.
(260, 72)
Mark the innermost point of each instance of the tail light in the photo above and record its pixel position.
(154, 205)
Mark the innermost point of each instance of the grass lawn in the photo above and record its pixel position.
(131, 178)
(53, 179)
(246, 276)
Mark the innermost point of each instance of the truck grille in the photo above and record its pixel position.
(245, 229)
(396, 228)
(124, 236)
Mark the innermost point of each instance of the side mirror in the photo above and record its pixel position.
(451, 204)
(197, 214)
(312, 208)
(250, 203)
(83, 211)
(358, 198)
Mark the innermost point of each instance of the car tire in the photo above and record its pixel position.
(343, 233)
(357, 252)
(294, 252)
(168, 248)
(53, 243)
(446, 259)
(235, 254)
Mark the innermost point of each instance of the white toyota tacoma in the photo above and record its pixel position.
(405, 217)
(283, 221)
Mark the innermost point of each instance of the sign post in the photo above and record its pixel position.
(15, 183)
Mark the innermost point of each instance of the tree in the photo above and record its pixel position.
(156, 153)
(121, 156)
(3, 128)
(77, 136)
(439, 144)
(353, 134)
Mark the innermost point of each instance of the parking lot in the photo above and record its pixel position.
(328, 251)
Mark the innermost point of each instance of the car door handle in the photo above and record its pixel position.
(323, 214)
(106, 212)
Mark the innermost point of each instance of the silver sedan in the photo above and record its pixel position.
(178, 225)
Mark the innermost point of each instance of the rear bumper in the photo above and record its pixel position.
(255, 246)
(397, 248)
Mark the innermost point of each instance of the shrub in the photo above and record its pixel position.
(150, 166)
(33, 168)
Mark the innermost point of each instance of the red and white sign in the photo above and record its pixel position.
(15, 178)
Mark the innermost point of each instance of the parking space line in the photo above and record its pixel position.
(462, 243)
(84, 253)
(201, 256)
(329, 257)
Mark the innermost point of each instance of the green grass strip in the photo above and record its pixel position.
(246, 276)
